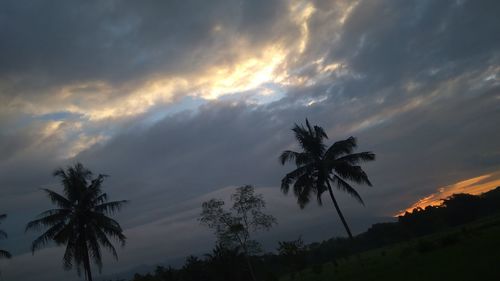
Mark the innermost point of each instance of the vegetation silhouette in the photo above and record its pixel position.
(80, 221)
(233, 228)
(224, 264)
(319, 166)
(3, 235)
(293, 253)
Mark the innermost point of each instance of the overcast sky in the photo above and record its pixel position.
(182, 101)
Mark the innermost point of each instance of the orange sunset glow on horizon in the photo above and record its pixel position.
(473, 186)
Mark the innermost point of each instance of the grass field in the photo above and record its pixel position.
(466, 253)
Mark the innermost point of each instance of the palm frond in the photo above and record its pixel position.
(288, 156)
(115, 233)
(308, 125)
(74, 180)
(319, 189)
(302, 189)
(100, 219)
(109, 226)
(340, 147)
(310, 140)
(346, 187)
(301, 135)
(93, 247)
(94, 188)
(320, 132)
(102, 198)
(69, 253)
(46, 237)
(53, 212)
(356, 158)
(289, 178)
(300, 158)
(103, 239)
(5, 254)
(57, 198)
(97, 182)
(352, 173)
(110, 207)
(47, 221)
(67, 233)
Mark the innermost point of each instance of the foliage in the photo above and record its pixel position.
(3, 235)
(80, 220)
(233, 227)
(318, 166)
(293, 253)
(384, 246)
(222, 264)
(425, 258)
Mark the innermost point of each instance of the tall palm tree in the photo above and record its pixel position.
(80, 220)
(3, 235)
(318, 167)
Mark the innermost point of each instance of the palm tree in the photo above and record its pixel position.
(80, 220)
(3, 235)
(319, 166)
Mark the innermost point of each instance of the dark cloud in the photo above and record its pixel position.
(46, 45)
(417, 84)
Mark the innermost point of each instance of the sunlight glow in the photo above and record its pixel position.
(474, 186)
(84, 142)
(262, 71)
(301, 12)
(245, 75)
(348, 11)
(387, 114)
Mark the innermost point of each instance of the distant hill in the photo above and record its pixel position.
(455, 211)
(467, 252)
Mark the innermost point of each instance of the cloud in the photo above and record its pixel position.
(90, 57)
(180, 101)
(474, 186)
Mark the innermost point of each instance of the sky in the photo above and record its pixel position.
(183, 101)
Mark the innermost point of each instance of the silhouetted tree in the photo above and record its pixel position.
(3, 235)
(225, 264)
(80, 220)
(163, 274)
(233, 227)
(194, 270)
(294, 254)
(318, 165)
(228, 263)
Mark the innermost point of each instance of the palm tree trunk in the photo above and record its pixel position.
(86, 265)
(338, 210)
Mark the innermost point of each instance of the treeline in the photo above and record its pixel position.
(292, 256)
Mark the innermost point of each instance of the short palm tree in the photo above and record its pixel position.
(3, 235)
(80, 220)
(319, 166)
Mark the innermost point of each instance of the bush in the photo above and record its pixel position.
(317, 268)
(449, 240)
(425, 246)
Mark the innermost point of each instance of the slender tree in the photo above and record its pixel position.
(233, 228)
(3, 235)
(80, 221)
(319, 166)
